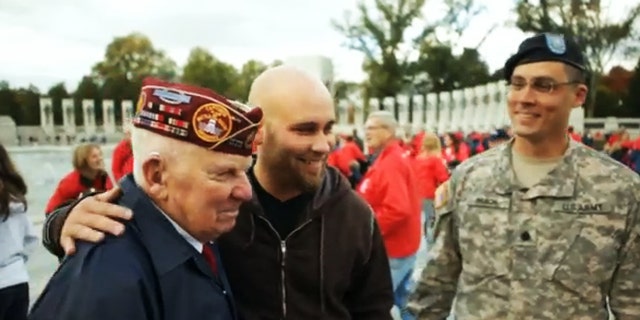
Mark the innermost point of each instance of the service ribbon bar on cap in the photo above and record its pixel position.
(197, 115)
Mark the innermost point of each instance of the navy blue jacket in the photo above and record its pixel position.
(150, 272)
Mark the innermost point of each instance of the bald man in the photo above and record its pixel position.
(306, 246)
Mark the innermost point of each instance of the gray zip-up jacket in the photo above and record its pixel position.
(17, 241)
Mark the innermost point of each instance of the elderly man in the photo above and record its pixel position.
(191, 149)
(390, 187)
(541, 227)
(306, 246)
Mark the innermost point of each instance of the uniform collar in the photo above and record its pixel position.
(559, 182)
(164, 239)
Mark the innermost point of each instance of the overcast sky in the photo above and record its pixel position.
(47, 41)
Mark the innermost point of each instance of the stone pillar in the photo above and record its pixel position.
(46, 116)
(418, 113)
(432, 112)
(108, 116)
(374, 105)
(68, 116)
(127, 113)
(493, 112)
(403, 110)
(89, 116)
(503, 90)
(388, 103)
(358, 111)
(457, 110)
(480, 108)
(444, 121)
(470, 102)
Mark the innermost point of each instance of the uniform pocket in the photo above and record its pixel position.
(484, 236)
(586, 263)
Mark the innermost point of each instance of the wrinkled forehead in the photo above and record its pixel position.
(218, 160)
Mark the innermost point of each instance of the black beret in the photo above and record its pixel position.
(546, 47)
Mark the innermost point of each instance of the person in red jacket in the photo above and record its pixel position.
(390, 188)
(431, 171)
(88, 175)
(122, 161)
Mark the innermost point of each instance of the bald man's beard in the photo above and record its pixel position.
(284, 165)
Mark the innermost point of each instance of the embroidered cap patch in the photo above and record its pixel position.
(555, 43)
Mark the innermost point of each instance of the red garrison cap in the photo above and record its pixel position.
(197, 115)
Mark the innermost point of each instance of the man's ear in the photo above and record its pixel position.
(582, 93)
(259, 138)
(154, 171)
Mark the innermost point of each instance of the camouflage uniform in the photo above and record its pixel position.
(554, 251)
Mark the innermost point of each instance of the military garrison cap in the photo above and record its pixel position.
(546, 47)
(198, 116)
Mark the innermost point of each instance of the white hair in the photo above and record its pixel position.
(146, 144)
(386, 118)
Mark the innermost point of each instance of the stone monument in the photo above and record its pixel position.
(431, 110)
(68, 116)
(108, 116)
(46, 116)
(89, 116)
(127, 113)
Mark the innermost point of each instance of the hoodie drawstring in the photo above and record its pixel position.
(322, 306)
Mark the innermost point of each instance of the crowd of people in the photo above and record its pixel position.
(521, 223)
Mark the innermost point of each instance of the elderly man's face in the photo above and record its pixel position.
(204, 191)
(376, 133)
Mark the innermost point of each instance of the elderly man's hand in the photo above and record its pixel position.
(91, 218)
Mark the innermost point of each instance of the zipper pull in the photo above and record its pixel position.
(283, 248)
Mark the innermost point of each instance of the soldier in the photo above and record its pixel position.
(540, 227)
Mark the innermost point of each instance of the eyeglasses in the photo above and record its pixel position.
(542, 85)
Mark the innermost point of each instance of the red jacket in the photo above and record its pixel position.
(73, 185)
(122, 162)
(431, 172)
(390, 187)
(336, 160)
(416, 143)
(352, 152)
(449, 154)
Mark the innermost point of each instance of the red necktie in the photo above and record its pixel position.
(207, 252)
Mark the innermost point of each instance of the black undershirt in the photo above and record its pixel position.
(284, 216)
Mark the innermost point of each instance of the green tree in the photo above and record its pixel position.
(9, 106)
(127, 61)
(586, 20)
(203, 69)
(57, 92)
(87, 89)
(29, 101)
(447, 71)
(379, 32)
(249, 71)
